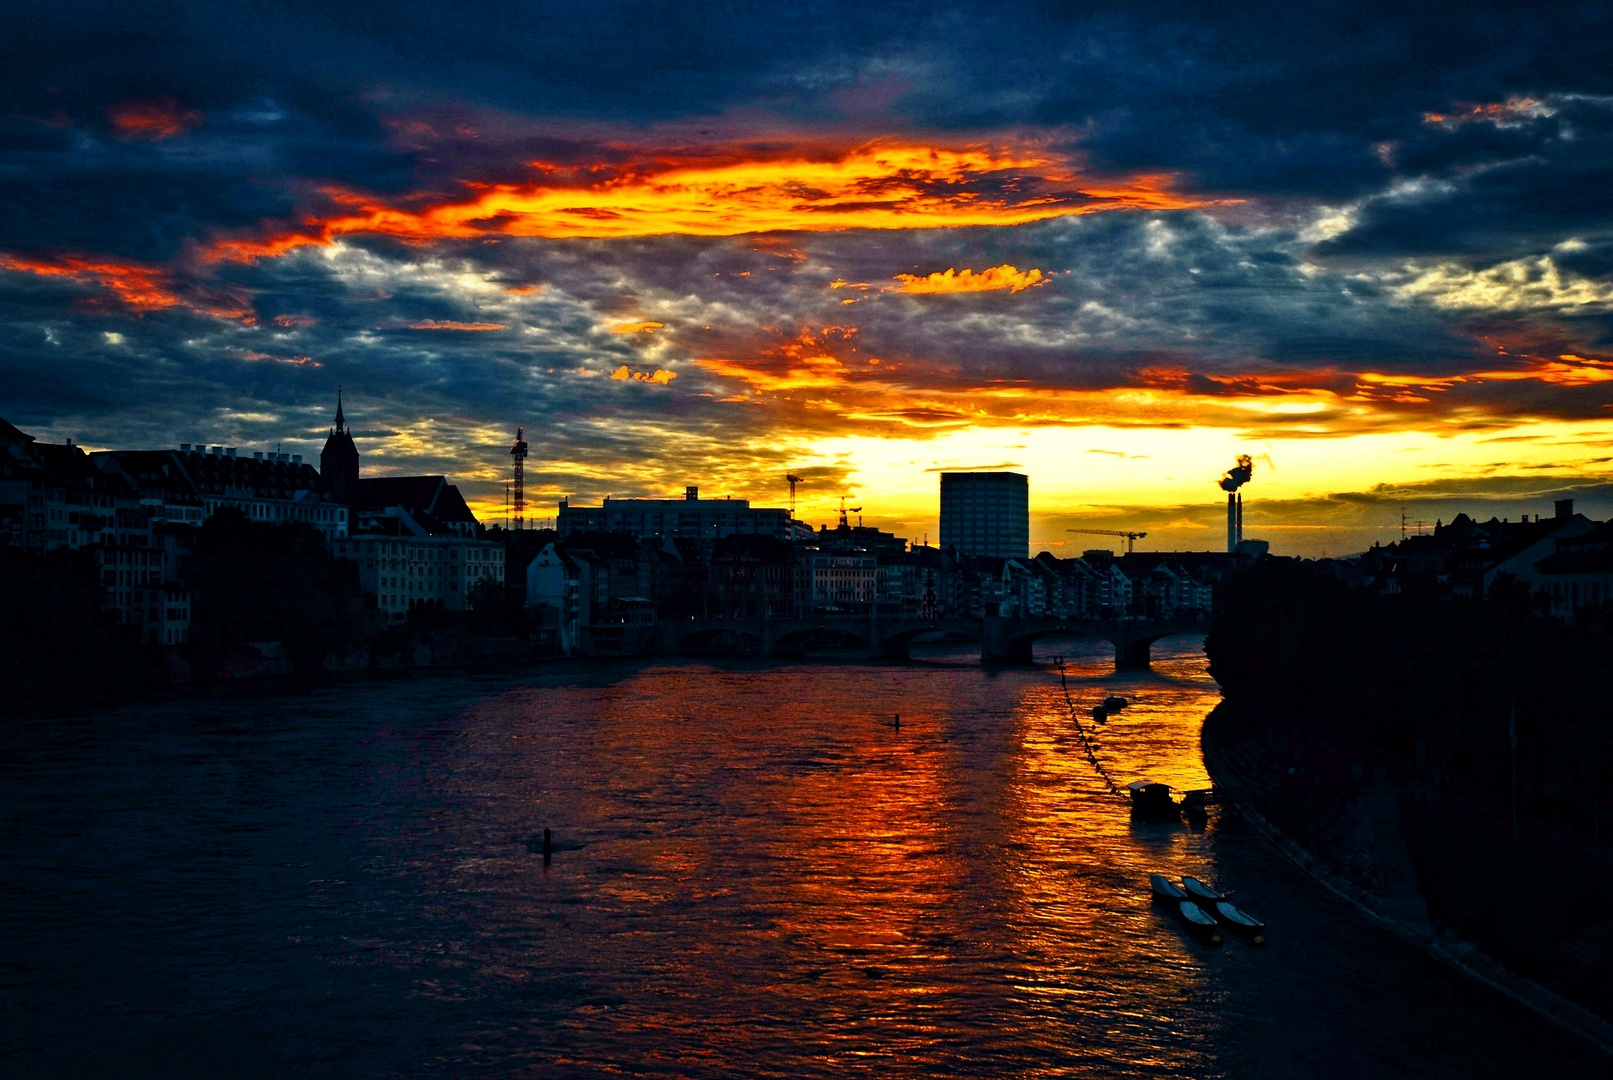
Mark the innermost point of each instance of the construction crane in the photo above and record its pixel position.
(518, 461)
(1130, 537)
(793, 480)
(844, 511)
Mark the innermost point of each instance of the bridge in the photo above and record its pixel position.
(1003, 641)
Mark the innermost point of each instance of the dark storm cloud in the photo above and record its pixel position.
(1373, 163)
(1495, 188)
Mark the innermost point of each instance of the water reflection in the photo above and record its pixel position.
(757, 874)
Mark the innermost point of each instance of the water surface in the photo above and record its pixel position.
(760, 874)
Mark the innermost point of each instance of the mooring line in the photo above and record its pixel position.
(1086, 741)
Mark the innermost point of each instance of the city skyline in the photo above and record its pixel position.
(1112, 250)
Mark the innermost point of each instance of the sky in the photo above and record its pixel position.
(1109, 246)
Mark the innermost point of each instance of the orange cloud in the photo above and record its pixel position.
(804, 188)
(806, 363)
(294, 320)
(624, 373)
(451, 324)
(992, 279)
(158, 118)
(1566, 370)
(138, 287)
(1500, 113)
(646, 326)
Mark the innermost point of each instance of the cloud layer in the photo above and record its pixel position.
(682, 244)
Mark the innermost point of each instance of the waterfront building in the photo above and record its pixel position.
(835, 582)
(409, 564)
(54, 496)
(986, 514)
(595, 592)
(750, 578)
(192, 483)
(555, 588)
(689, 517)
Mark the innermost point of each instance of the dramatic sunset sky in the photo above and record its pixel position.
(1109, 246)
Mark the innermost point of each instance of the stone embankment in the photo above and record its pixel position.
(1356, 852)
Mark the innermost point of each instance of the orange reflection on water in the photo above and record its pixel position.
(779, 869)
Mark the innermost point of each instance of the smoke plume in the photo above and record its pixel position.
(1239, 475)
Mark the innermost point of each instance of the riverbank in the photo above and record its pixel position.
(1361, 857)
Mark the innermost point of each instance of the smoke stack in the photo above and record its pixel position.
(1565, 508)
(1235, 478)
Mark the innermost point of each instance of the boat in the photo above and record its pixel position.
(1200, 920)
(1163, 888)
(1241, 921)
(1152, 802)
(1114, 703)
(1100, 714)
(1200, 891)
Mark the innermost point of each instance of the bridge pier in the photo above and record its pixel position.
(1133, 654)
(999, 644)
(893, 648)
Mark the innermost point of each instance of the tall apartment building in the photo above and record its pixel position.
(986, 513)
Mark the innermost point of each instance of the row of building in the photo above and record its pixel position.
(1565, 560)
(138, 513)
(606, 590)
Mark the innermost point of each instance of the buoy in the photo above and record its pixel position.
(548, 847)
(898, 721)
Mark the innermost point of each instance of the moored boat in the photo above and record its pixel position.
(1152, 802)
(1241, 921)
(1100, 714)
(1164, 888)
(1200, 891)
(1200, 920)
(1114, 703)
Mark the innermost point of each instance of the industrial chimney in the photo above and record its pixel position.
(1236, 477)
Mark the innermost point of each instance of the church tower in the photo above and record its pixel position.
(338, 462)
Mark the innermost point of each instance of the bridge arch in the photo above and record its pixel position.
(895, 642)
(718, 639)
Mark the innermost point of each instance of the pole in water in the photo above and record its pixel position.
(548, 847)
(898, 721)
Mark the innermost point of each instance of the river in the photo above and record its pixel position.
(758, 874)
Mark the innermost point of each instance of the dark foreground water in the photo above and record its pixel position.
(760, 876)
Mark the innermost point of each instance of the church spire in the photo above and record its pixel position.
(338, 408)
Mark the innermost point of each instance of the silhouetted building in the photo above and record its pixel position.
(986, 514)
(338, 461)
(188, 485)
(690, 516)
(1579, 573)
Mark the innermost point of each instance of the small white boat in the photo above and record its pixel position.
(1164, 888)
(1241, 921)
(1199, 919)
(1201, 892)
